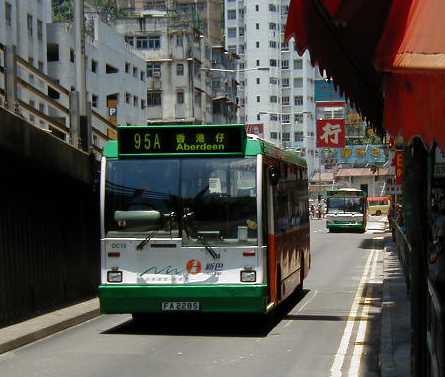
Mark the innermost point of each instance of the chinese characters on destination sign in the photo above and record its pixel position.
(399, 167)
(179, 140)
(331, 133)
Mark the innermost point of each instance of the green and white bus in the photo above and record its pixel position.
(200, 218)
(346, 209)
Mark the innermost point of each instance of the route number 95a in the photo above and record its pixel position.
(146, 141)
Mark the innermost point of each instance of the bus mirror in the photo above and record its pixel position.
(274, 175)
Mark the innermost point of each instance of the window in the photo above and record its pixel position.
(142, 43)
(154, 42)
(299, 118)
(142, 76)
(241, 65)
(286, 136)
(298, 136)
(257, 44)
(94, 100)
(241, 49)
(273, 135)
(143, 104)
(285, 82)
(285, 64)
(179, 69)
(153, 69)
(154, 99)
(284, 9)
(72, 56)
(257, 8)
(110, 69)
(231, 14)
(258, 98)
(284, 46)
(285, 100)
(272, 26)
(274, 117)
(241, 31)
(273, 99)
(135, 101)
(127, 67)
(180, 97)
(93, 66)
(272, 7)
(129, 39)
(179, 40)
(272, 44)
(273, 62)
(258, 80)
(29, 24)
(8, 13)
(298, 64)
(298, 100)
(298, 82)
(286, 119)
(231, 32)
(135, 72)
(127, 97)
(273, 80)
(39, 30)
(258, 26)
(232, 49)
(95, 140)
(42, 107)
(257, 62)
(41, 66)
(241, 12)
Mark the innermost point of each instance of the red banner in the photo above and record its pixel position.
(331, 133)
(399, 160)
(255, 129)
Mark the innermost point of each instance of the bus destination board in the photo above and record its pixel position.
(180, 140)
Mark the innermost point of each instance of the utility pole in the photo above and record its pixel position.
(79, 37)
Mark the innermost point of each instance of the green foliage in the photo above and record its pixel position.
(108, 10)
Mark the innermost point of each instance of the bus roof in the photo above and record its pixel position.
(252, 146)
(347, 191)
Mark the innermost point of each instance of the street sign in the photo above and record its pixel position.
(399, 159)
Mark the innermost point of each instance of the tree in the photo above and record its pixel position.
(108, 10)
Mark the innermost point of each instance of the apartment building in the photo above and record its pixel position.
(115, 73)
(181, 65)
(23, 25)
(276, 84)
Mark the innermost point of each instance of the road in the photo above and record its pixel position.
(330, 330)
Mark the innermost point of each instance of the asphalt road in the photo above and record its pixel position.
(332, 329)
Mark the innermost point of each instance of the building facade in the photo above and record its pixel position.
(276, 84)
(23, 25)
(115, 74)
(183, 78)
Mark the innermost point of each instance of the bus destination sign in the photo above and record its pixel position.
(180, 140)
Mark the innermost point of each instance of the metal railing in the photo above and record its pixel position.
(19, 93)
(435, 332)
(404, 250)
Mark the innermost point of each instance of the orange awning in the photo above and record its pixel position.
(381, 49)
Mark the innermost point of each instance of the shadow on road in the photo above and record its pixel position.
(209, 324)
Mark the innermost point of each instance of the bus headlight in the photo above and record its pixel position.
(114, 276)
(248, 276)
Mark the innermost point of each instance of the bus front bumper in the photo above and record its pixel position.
(235, 298)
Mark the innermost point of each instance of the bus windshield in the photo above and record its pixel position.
(341, 204)
(195, 198)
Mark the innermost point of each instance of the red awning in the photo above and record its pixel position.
(357, 41)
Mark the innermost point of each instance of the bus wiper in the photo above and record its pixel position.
(147, 238)
(210, 250)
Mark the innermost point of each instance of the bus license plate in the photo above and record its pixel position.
(171, 306)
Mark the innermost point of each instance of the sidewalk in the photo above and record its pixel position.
(22, 333)
(395, 346)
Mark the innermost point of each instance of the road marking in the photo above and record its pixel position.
(337, 365)
(361, 333)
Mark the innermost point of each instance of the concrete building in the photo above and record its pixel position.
(181, 66)
(115, 73)
(23, 25)
(277, 85)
